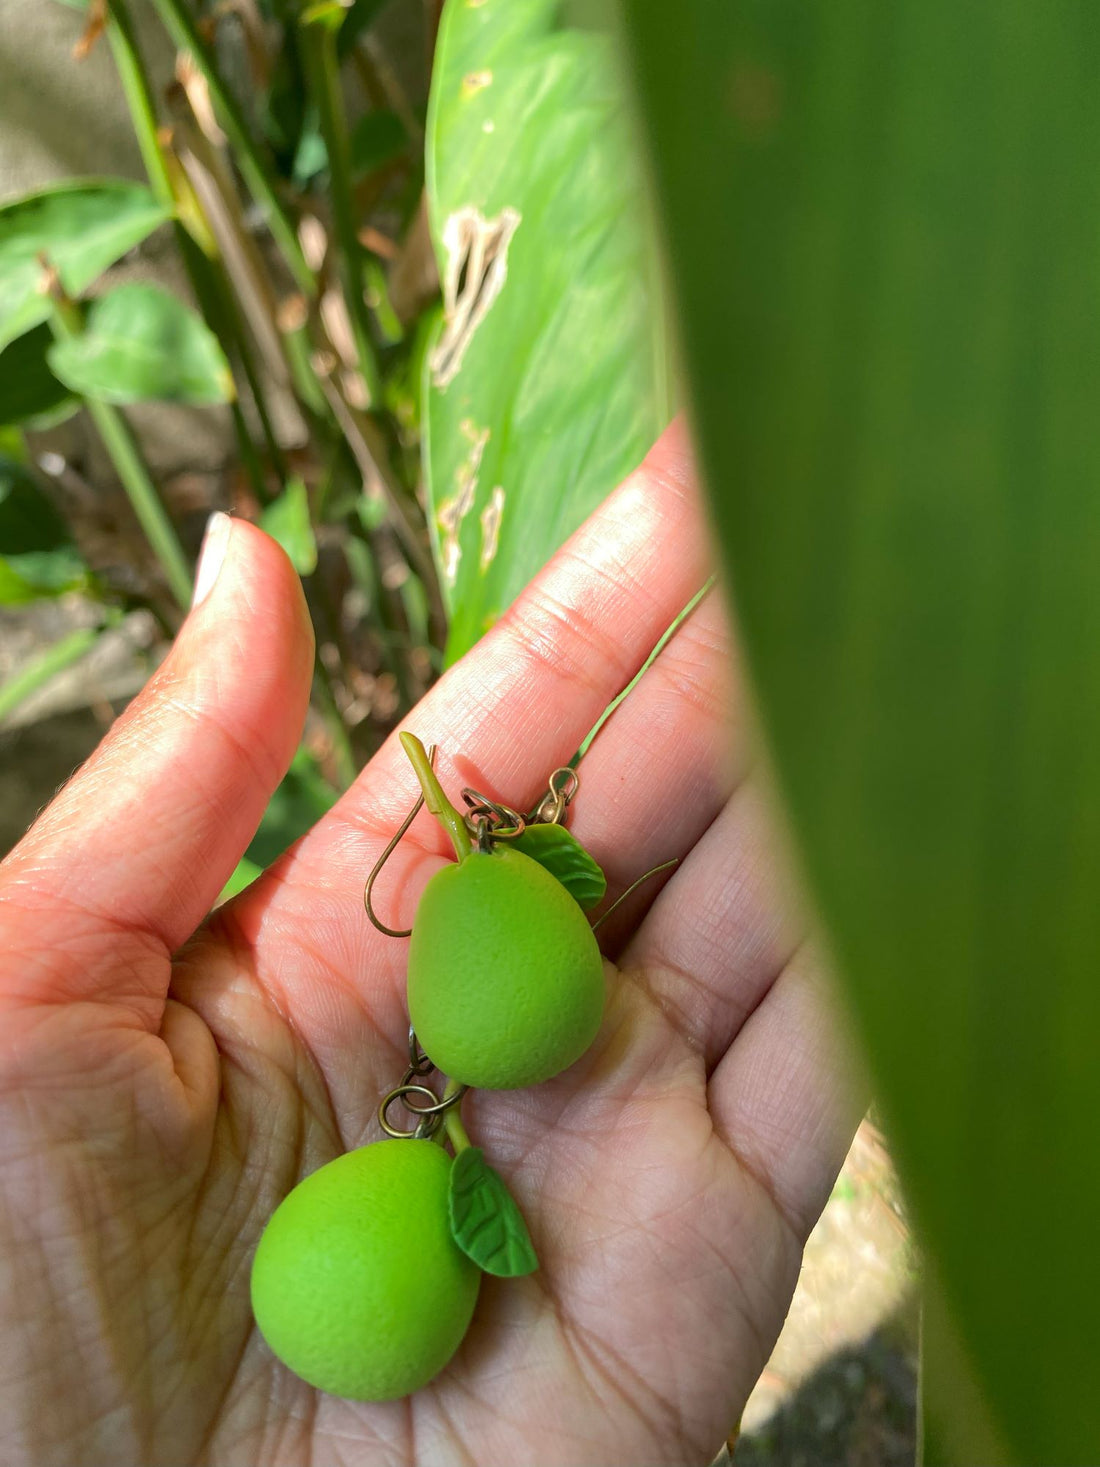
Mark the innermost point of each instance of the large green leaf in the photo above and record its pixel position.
(81, 228)
(141, 344)
(547, 383)
(29, 392)
(884, 229)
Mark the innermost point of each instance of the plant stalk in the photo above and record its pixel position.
(254, 170)
(452, 1120)
(128, 464)
(276, 330)
(434, 798)
(202, 271)
(139, 99)
(153, 517)
(319, 32)
(43, 668)
(223, 317)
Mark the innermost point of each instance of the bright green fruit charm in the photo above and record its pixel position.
(505, 977)
(358, 1285)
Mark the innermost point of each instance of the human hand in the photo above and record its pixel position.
(154, 1109)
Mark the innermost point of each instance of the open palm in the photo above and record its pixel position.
(162, 1089)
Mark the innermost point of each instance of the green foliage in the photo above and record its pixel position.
(361, 14)
(287, 519)
(883, 228)
(81, 228)
(546, 384)
(37, 555)
(376, 139)
(30, 394)
(244, 874)
(486, 1223)
(301, 799)
(297, 404)
(45, 666)
(141, 344)
(559, 851)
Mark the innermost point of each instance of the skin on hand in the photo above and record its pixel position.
(165, 1080)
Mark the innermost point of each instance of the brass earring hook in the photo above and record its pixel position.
(488, 820)
(384, 857)
(632, 888)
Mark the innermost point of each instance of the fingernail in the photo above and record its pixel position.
(215, 542)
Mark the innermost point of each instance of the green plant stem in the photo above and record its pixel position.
(369, 450)
(38, 672)
(319, 30)
(217, 310)
(223, 318)
(139, 99)
(434, 798)
(66, 322)
(298, 350)
(280, 333)
(452, 1120)
(131, 470)
(247, 156)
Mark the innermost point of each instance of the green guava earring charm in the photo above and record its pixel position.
(366, 1277)
(506, 984)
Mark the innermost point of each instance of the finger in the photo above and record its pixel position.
(723, 928)
(128, 858)
(788, 1095)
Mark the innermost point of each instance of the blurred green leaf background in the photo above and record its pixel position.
(387, 279)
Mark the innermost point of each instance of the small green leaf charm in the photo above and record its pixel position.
(561, 853)
(486, 1223)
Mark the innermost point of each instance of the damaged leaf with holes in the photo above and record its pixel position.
(547, 380)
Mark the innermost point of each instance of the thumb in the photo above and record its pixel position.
(129, 857)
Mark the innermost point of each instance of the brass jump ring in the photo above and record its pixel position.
(419, 1063)
(505, 823)
(438, 1106)
(400, 1092)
